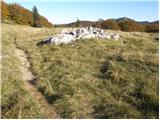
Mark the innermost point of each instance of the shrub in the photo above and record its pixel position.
(130, 25)
(152, 28)
(5, 12)
(110, 24)
(20, 15)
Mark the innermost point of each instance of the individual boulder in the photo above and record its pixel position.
(62, 38)
(115, 36)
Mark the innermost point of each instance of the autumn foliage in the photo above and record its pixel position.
(21, 15)
(110, 24)
(4, 11)
(130, 26)
(152, 28)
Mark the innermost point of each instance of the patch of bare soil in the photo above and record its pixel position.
(46, 108)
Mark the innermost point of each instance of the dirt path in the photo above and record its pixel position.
(47, 109)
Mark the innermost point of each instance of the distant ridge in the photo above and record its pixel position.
(118, 20)
(123, 23)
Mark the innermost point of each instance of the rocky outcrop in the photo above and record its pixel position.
(67, 36)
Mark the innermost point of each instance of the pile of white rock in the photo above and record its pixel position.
(67, 36)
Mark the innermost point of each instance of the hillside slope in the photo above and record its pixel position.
(15, 13)
(84, 79)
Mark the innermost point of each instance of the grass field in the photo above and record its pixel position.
(84, 79)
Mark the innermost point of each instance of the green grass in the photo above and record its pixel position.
(94, 78)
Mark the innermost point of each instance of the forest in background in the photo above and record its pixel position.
(15, 13)
(123, 24)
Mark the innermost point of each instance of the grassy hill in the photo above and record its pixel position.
(84, 79)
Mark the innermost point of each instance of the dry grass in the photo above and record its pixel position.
(16, 101)
(91, 78)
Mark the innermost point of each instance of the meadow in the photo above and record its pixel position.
(85, 79)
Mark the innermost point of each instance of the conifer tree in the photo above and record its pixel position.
(36, 17)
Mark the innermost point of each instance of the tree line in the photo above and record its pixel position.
(15, 13)
(128, 25)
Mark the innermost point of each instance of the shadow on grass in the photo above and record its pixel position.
(99, 112)
(49, 98)
(52, 98)
(147, 105)
(104, 71)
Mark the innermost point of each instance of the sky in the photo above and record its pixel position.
(67, 11)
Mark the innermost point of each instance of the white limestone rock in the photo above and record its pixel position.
(67, 36)
(115, 36)
(62, 38)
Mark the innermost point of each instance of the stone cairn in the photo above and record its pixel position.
(79, 33)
